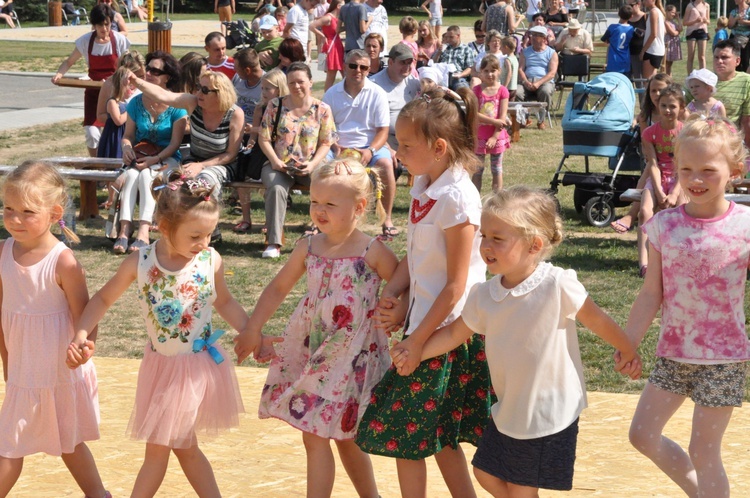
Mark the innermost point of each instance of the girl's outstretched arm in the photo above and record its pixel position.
(649, 299)
(458, 242)
(601, 324)
(99, 304)
(71, 278)
(442, 341)
(270, 300)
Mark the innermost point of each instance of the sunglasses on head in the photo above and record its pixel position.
(358, 66)
(205, 90)
(155, 71)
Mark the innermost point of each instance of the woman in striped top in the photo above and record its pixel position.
(216, 125)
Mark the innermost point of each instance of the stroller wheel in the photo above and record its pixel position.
(599, 213)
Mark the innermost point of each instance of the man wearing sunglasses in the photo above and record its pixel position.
(360, 111)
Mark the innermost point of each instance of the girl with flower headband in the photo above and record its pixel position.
(47, 408)
(441, 402)
(699, 254)
(332, 355)
(185, 385)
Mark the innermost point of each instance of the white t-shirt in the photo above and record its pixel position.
(379, 23)
(532, 350)
(357, 118)
(300, 22)
(399, 94)
(82, 45)
(457, 201)
(657, 46)
(436, 8)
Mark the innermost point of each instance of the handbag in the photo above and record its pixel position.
(250, 164)
(323, 58)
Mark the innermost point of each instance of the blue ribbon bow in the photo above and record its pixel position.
(207, 344)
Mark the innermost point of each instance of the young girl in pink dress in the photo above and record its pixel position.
(662, 190)
(332, 356)
(47, 407)
(185, 385)
(332, 47)
(492, 138)
(699, 254)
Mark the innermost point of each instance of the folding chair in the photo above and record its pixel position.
(14, 18)
(570, 66)
(73, 15)
(125, 10)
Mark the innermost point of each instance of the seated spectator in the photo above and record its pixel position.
(479, 36)
(556, 16)
(399, 85)
(492, 47)
(460, 55)
(136, 9)
(6, 8)
(360, 111)
(216, 46)
(574, 41)
(305, 133)
(290, 51)
(116, 19)
(268, 47)
(374, 47)
(192, 64)
(537, 67)
(538, 20)
(378, 21)
(247, 83)
(427, 44)
(149, 121)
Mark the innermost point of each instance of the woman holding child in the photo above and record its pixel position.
(304, 133)
(155, 126)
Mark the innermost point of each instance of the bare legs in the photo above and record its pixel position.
(699, 474)
(80, 463)
(385, 170)
(691, 46)
(646, 213)
(412, 475)
(503, 489)
(194, 464)
(321, 467)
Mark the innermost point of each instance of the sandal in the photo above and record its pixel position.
(388, 233)
(242, 227)
(620, 227)
(121, 245)
(311, 230)
(137, 245)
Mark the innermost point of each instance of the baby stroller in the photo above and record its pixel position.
(239, 35)
(598, 122)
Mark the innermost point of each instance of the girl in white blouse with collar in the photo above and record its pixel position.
(528, 314)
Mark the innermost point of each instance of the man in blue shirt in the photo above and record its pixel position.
(618, 37)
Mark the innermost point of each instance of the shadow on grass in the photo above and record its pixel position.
(592, 254)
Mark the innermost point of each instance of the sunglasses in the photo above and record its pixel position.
(155, 71)
(358, 66)
(205, 90)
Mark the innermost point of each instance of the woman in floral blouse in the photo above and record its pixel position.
(304, 135)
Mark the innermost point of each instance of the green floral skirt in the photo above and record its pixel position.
(446, 400)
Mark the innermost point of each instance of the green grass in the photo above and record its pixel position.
(605, 263)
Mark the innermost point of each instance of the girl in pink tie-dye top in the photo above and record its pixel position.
(699, 255)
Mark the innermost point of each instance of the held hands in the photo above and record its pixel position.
(77, 355)
(628, 364)
(390, 314)
(406, 356)
(259, 345)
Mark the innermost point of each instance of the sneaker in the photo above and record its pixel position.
(272, 252)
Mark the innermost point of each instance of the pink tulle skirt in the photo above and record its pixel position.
(180, 397)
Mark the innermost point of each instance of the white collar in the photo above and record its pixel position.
(498, 292)
(440, 186)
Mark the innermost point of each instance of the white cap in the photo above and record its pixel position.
(430, 73)
(268, 22)
(705, 76)
(538, 30)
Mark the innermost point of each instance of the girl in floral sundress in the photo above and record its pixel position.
(332, 356)
(185, 385)
(446, 400)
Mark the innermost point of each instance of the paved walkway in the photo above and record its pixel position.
(265, 458)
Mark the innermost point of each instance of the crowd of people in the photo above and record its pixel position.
(436, 109)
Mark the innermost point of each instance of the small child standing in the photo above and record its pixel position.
(332, 355)
(445, 401)
(699, 256)
(673, 28)
(117, 116)
(492, 137)
(721, 30)
(537, 373)
(508, 48)
(185, 385)
(618, 38)
(702, 86)
(661, 191)
(48, 407)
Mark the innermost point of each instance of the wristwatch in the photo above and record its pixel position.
(372, 150)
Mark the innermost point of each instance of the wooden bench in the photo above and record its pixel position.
(99, 170)
(515, 135)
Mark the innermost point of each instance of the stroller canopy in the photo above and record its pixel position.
(597, 114)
